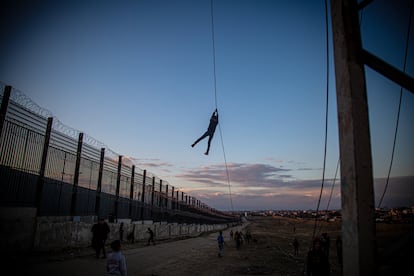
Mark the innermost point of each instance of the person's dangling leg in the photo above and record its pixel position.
(199, 139)
(209, 143)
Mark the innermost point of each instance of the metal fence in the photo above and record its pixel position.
(63, 172)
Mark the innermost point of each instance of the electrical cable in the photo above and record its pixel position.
(214, 52)
(332, 189)
(399, 105)
(215, 100)
(326, 117)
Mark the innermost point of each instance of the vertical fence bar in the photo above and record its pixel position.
(152, 196)
(4, 105)
(177, 206)
(118, 184)
(172, 198)
(152, 192)
(182, 198)
(166, 196)
(131, 191)
(39, 187)
(99, 186)
(160, 200)
(73, 208)
(144, 178)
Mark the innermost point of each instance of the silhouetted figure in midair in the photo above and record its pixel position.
(210, 131)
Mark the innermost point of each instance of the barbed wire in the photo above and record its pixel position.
(25, 101)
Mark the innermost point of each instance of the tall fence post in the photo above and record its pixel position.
(166, 196)
(99, 186)
(152, 192)
(118, 184)
(172, 198)
(74, 202)
(40, 180)
(178, 199)
(144, 178)
(131, 191)
(4, 105)
(152, 197)
(160, 200)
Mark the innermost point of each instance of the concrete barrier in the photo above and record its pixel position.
(60, 233)
(21, 231)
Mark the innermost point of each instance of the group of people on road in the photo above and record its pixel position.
(238, 237)
(317, 259)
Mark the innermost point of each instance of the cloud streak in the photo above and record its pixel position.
(263, 186)
(260, 186)
(242, 174)
(245, 175)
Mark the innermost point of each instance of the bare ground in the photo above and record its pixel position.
(269, 253)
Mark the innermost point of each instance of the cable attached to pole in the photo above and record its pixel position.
(399, 106)
(332, 189)
(215, 99)
(214, 52)
(326, 117)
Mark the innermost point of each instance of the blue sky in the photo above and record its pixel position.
(138, 76)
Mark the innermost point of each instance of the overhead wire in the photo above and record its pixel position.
(215, 100)
(332, 189)
(326, 117)
(399, 106)
(214, 51)
(333, 184)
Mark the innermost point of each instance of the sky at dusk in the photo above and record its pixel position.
(139, 77)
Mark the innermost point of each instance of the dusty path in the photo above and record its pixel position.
(182, 257)
(269, 253)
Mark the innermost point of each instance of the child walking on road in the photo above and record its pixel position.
(115, 263)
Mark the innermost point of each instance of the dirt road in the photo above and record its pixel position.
(270, 252)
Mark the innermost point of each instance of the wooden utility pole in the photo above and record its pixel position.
(357, 193)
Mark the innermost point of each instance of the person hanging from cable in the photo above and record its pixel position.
(210, 131)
